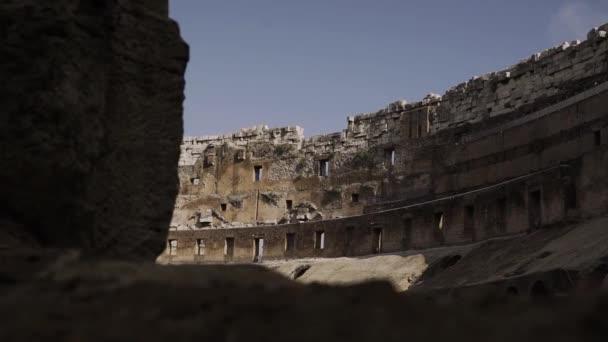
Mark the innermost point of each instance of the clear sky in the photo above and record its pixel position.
(314, 62)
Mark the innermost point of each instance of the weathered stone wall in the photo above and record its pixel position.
(545, 77)
(482, 132)
(481, 182)
(359, 156)
(91, 99)
(216, 169)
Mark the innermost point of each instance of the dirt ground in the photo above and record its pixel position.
(580, 248)
(77, 300)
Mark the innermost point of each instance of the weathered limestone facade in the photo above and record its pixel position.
(504, 153)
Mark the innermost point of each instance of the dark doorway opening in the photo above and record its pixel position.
(290, 242)
(377, 240)
(535, 209)
(469, 222)
(570, 198)
(348, 240)
(229, 249)
(501, 214)
(258, 249)
(439, 225)
(409, 129)
(389, 157)
(406, 241)
(200, 247)
(324, 168)
(257, 173)
(319, 240)
(172, 247)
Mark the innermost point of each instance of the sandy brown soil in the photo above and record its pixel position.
(579, 248)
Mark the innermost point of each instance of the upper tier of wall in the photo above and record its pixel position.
(546, 75)
(193, 147)
(365, 130)
(544, 78)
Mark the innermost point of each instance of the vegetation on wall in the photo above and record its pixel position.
(270, 198)
(283, 150)
(362, 159)
(331, 196)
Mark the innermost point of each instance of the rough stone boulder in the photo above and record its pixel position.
(91, 122)
(76, 300)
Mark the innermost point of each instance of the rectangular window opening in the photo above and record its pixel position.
(439, 227)
(597, 137)
(501, 214)
(570, 197)
(377, 240)
(439, 221)
(469, 222)
(204, 224)
(172, 247)
(324, 168)
(319, 240)
(348, 240)
(289, 204)
(389, 156)
(195, 181)
(354, 198)
(200, 247)
(257, 171)
(535, 209)
(410, 129)
(229, 248)
(290, 242)
(407, 233)
(258, 249)
(223, 206)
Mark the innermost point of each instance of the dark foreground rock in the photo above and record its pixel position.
(74, 300)
(91, 122)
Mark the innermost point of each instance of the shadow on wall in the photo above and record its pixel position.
(439, 266)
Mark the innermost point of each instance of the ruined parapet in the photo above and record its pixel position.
(540, 80)
(548, 76)
(363, 131)
(385, 149)
(92, 97)
(193, 147)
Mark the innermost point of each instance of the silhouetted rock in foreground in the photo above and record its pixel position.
(91, 122)
(113, 301)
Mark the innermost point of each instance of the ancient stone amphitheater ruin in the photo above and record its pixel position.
(507, 154)
(487, 203)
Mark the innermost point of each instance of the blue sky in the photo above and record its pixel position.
(314, 62)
